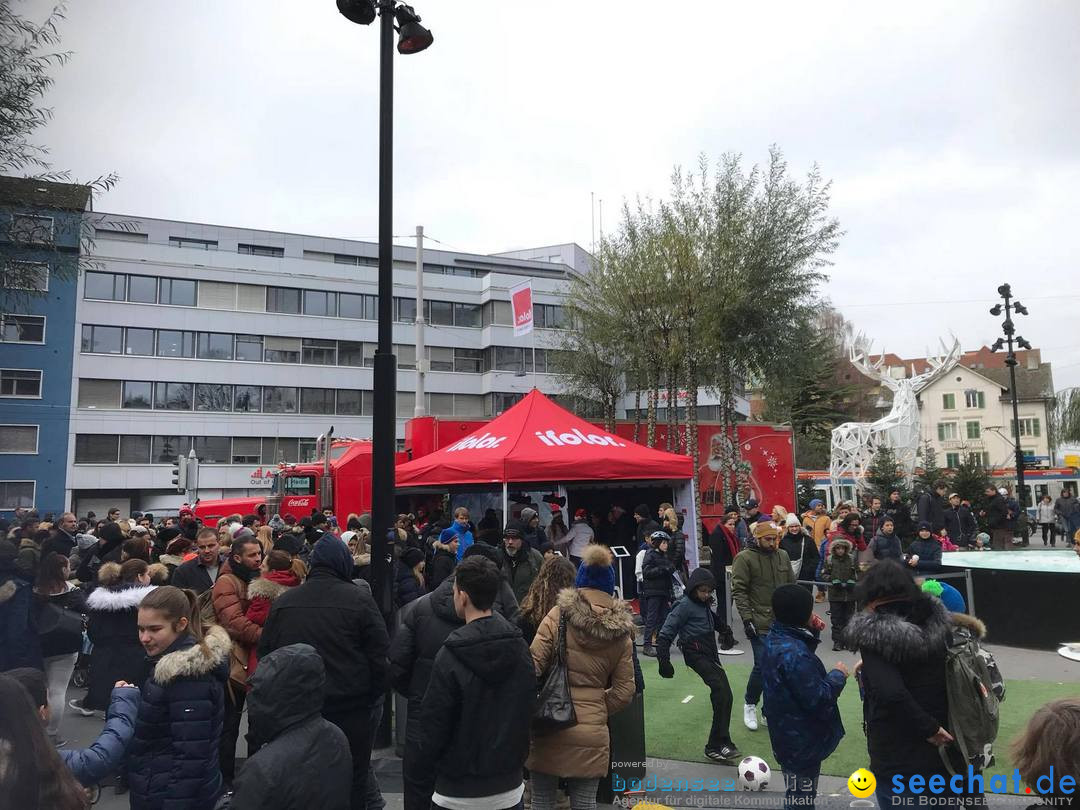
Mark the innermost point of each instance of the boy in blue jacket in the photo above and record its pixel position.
(800, 698)
(693, 621)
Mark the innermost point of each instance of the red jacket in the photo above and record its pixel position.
(262, 592)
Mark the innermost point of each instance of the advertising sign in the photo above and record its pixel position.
(522, 305)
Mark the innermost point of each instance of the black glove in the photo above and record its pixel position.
(666, 669)
(749, 629)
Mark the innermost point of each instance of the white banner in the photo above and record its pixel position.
(521, 304)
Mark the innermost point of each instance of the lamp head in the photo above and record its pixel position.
(999, 344)
(361, 12)
(1019, 308)
(1023, 344)
(412, 36)
(1004, 291)
(995, 310)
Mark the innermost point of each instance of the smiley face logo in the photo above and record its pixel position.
(861, 783)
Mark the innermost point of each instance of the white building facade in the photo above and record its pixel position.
(245, 345)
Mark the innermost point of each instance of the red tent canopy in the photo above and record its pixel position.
(536, 440)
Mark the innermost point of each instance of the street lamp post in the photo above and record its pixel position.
(1011, 338)
(413, 38)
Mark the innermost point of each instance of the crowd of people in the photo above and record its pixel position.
(511, 648)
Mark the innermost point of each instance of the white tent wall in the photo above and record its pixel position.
(684, 502)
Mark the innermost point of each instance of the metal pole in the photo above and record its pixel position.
(384, 431)
(1010, 361)
(421, 360)
(534, 354)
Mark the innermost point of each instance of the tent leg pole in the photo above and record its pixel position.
(506, 505)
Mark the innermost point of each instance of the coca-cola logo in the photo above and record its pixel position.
(298, 503)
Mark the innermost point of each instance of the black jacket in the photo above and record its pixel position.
(441, 566)
(342, 622)
(801, 547)
(961, 525)
(406, 588)
(59, 542)
(997, 513)
(929, 552)
(903, 676)
(113, 628)
(173, 758)
(677, 549)
(54, 641)
(304, 760)
(643, 530)
(900, 512)
(476, 712)
(931, 508)
(656, 571)
(193, 575)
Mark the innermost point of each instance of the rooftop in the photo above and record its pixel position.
(44, 193)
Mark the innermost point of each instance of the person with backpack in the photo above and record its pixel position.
(903, 636)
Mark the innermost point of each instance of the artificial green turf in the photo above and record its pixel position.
(677, 730)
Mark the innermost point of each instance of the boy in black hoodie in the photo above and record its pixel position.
(693, 621)
(477, 710)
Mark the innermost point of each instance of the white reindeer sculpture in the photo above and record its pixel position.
(855, 443)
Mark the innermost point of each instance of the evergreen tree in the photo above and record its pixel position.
(930, 471)
(805, 493)
(884, 475)
(970, 479)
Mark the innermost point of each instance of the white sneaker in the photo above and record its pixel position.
(749, 716)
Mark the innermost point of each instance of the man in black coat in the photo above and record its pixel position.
(201, 573)
(478, 706)
(303, 760)
(997, 519)
(62, 540)
(342, 622)
(645, 524)
(426, 624)
(931, 506)
(960, 523)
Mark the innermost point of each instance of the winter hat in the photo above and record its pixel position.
(515, 528)
(365, 521)
(330, 553)
(764, 528)
(178, 546)
(527, 514)
(792, 605)
(925, 525)
(412, 557)
(764, 518)
(580, 514)
(643, 511)
(546, 546)
(596, 570)
(288, 542)
(949, 596)
(792, 520)
(242, 533)
(816, 502)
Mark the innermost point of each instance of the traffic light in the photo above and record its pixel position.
(180, 474)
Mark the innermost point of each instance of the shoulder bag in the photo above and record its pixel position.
(554, 705)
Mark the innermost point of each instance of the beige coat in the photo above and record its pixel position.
(599, 645)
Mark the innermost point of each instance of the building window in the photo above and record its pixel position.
(166, 449)
(501, 402)
(282, 350)
(440, 313)
(405, 310)
(94, 448)
(138, 395)
(139, 341)
(283, 299)
(99, 393)
(278, 450)
(440, 358)
(249, 347)
(173, 343)
(946, 431)
(213, 449)
(974, 399)
(246, 450)
(469, 405)
(318, 302)
(948, 402)
(28, 276)
(17, 494)
(178, 292)
(509, 358)
(974, 430)
(119, 236)
(980, 459)
(278, 399)
(320, 352)
(349, 403)
(247, 398)
(20, 383)
(260, 250)
(142, 289)
(212, 397)
(22, 328)
(105, 286)
(31, 229)
(197, 244)
(362, 307)
(952, 460)
(350, 353)
(19, 439)
(467, 315)
(1028, 427)
(173, 396)
(215, 346)
(134, 449)
(548, 316)
(469, 361)
(103, 339)
(406, 355)
(498, 313)
(317, 400)
(307, 451)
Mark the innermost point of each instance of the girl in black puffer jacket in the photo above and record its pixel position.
(173, 759)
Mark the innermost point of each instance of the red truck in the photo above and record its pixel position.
(343, 481)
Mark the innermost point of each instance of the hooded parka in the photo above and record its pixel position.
(113, 628)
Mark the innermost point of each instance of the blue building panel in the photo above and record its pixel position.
(37, 343)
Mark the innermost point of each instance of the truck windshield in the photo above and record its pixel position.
(338, 452)
(296, 484)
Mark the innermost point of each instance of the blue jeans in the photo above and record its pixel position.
(801, 789)
(753, 686)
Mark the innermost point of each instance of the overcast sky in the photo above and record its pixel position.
(951, 131)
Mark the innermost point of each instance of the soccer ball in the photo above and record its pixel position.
(754, 773)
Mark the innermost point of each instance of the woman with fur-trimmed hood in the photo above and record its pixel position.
(112, 625)
(278, 578)
(599, 633)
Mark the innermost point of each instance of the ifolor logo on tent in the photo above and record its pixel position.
(575, 437)
(482, 442)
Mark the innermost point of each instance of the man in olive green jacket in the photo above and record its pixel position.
(756, 572)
